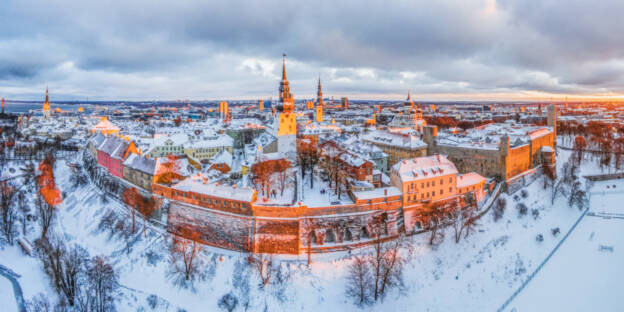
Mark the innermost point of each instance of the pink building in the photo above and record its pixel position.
(112, 153)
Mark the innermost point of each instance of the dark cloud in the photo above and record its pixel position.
(211, 49)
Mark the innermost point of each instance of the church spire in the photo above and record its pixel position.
(286, 98)
(283, 66)
(46, 105)
(319, 92)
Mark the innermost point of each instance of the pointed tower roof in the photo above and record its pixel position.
(283, 66)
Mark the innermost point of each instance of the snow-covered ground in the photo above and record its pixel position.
(477, 274)
(587, 271)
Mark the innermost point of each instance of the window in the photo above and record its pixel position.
(422, 185)
(441, 192)
(433, 194)
(450, 190)
(441, 181)
(450, 179)
(432, 183)
(427, 183)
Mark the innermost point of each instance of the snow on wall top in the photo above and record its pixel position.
(195, 184)
(377, 193)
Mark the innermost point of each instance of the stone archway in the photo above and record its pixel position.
(330, 236)
(347, 235)
(364, 232)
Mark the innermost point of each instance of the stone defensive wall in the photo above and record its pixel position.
(291, 229)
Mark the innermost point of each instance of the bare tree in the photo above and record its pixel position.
(263, 264)
(184, 255)
(47, 213)
(552, 182)
(102, 283)
(359, 281)
(433, 214)
(499, 208)
(8, 212)
(458, 222)
(392, 266)
(65, 267)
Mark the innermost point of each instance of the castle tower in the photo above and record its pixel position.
(46, 106)
(319, 102)
(503, 146)
(430, 133)
(260, 105)
(224, 111)
(552, 121)
(287, 127)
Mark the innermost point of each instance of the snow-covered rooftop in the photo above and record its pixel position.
(424, 167)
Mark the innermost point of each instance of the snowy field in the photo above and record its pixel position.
(585, 271)
(477, 274)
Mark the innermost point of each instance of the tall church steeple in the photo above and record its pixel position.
(287, 127)
(319, 92)
(286, 98)
(410, 101)
(46, 105)
(284, 66)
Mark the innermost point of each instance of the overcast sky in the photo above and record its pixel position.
(211, 49)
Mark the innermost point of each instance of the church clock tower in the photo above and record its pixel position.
(287, 127)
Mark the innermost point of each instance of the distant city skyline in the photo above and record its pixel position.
(457, 50)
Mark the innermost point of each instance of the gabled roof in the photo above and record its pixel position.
(110, 145)
(222, 157)
(105, 125)
(97, 139)
(140, 163)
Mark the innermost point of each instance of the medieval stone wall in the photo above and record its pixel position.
(486, 162)
(219, 229)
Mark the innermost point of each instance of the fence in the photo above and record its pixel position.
(552, 252)
(604, 177)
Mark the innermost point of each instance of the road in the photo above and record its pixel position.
(17, 289)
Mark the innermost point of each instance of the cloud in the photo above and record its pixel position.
(147, 49)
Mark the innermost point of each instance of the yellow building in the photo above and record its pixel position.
(105, 127)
